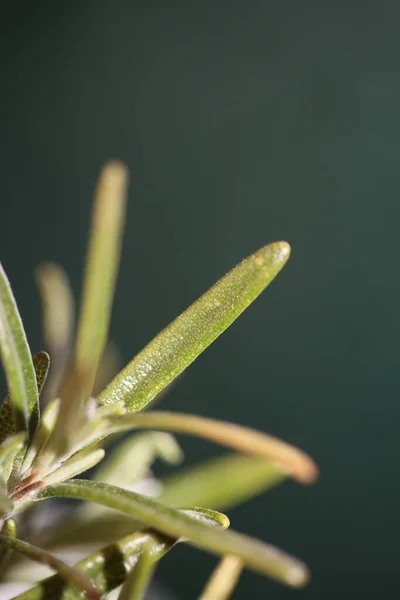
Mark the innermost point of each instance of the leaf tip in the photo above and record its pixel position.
(297, 576)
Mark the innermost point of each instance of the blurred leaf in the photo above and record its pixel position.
(138, 579)
(110, 364)
(221, 482)
(6, 504)
(9, 449)
(58, 321)
(77, 464)
(17, 361)
(180, 343)
(41, 364)
(45, 427)
(98, 290)
(41, 361)
(256, 555)
(224, 579)
(75, 576)
(108, 567)
(291, 460)
(131, 460)
(9, 529)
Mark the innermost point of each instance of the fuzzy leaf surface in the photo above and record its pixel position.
(17, 361)
(256, 555)
(179, 344)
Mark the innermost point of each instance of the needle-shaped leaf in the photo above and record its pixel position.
(17, 361)
(6, 504)
(42, 434)
(256, 555)
(180, 343)
(109, 567)
(77, 464)
(223, 580)
(9, 529)
(78, 578)
(98, 290)
(41, 362)
(221, 482)
(58, 320)
(139, 578)
(255, 443)
(9, 449)
(131, 460)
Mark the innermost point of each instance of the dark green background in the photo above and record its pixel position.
(242, 122)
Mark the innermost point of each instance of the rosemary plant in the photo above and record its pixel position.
(55, 423)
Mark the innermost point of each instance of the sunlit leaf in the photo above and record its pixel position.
(256, 555)
(17, 361)
(180, 343)
(291, 460)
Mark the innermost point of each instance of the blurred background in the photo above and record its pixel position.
(242, 122)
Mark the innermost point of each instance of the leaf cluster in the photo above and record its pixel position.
(57, 420)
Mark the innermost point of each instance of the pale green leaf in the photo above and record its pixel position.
(78, 578)
(77, 464)
(9, 529)
(6, 504)
(45, 427)
(223, 580)
(291, 460)
(109, 567)
(9, 449)
(139, 578)
(256, 555)
(221, 482)
(131, 460)
(17, 361)
(41, 362)
(58, 321)
(180, 343)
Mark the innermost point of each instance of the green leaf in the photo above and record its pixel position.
(98, 290)
(291, 460)
(77, 464)
(41, 362)
(109, 567)
(17, 361)
(256, 555)
(9, 529)
(9, 450)
(224, 579)
(75, 576)
(58, 320)
(42, 434)
(139, 578)
(180, 343)
(131, 460)
(222, 482)
(6, 504)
